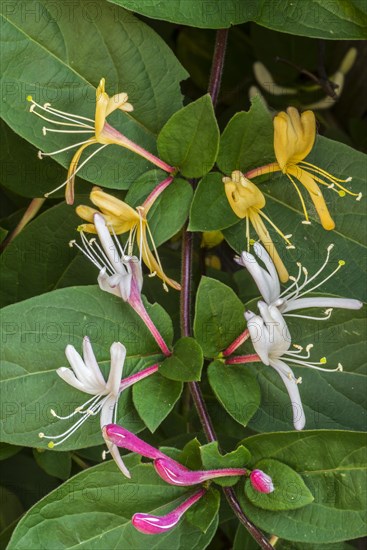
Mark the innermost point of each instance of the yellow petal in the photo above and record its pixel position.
(316, 196)
(294, 136)
(119, 101)
(110, 205)
(87, 228)
(242, 194)
(69, 189)
(265, 238)
(150, 261)
(102, 100)
(86, 212)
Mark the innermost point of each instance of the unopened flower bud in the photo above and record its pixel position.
(261, 482)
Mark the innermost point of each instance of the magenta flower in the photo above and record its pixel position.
(175, 474)
(261, 481)
(155, 525)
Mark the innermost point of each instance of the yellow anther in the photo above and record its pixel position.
(29, 98)
(341, 193)
(323, 360)
(341, 262)
(41, 435)
(51, 445)
(252, 242)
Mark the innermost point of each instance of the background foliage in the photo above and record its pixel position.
(160, 53)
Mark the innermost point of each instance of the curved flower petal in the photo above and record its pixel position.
(259, 335)
(80, 369)
(286, 373)
(108, 245)
(91, 362)
(69, 377)
(302, 303)
(104, 284)
(118, 355)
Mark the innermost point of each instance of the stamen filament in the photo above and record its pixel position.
(307, 219)
(42, 154)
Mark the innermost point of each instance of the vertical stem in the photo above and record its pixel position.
(185, 309)
(218, 64)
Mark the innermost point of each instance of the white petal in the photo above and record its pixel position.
(118, 354)
(115, 453)
(69, 377)
(124, 286)
(286, 373)
(108, 410)
(136, 271)
(262, 253)
(91, 362)
(259, 275)
(302, 303)
(79, 367)
(103, 281)
(107, 243)
(259, 337)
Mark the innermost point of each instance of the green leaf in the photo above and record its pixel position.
(212, 459)
(333, 467)
(115, 45)
(290, 491)
(190, 455)
(236, 388)
(7, 451)
(154, 398)
(335, 20)
(204, 512)
(185, 363)
(218, 316)
(40, 258)
(54, 464)
(34, 336)
(169, 212)
(190, 139)
(100, 503)
(247, 140)
(210, 209)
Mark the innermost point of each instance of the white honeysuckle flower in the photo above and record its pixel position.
(271, 339)
(86, 376)
(119, 273)
(293, 297)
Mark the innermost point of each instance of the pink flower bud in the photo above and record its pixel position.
(154, 525)
(261, 482)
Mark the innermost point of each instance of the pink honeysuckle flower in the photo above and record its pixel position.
(261, 481)
(155, 525)
(175, 474)
(86, 376)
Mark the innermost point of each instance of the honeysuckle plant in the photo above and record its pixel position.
(218, 412)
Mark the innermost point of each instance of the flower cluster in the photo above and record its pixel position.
(120, 272)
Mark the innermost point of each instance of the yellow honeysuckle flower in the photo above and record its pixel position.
(101, 133)
(122, 218)
(247, 201)
(294, 137)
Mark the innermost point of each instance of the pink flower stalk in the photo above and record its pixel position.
(149, 201)
(121, 437)
(236, 343)
(241, 359)
(175, 474)
(155, 525)
(261, 482)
